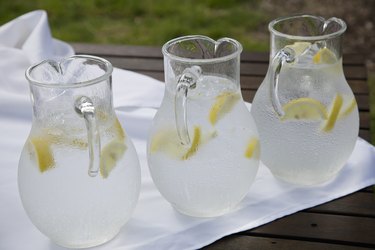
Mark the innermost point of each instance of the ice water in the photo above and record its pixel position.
(63, 201)
(211, 177)
(302, 151)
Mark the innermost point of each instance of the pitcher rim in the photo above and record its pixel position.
(202, 61)
(307, 38)
(77, 84)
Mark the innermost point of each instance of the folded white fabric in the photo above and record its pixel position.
(154, 224)
(24, 41)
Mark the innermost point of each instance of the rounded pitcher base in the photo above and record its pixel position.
(204, 213)
(86, 244)
(303, 181)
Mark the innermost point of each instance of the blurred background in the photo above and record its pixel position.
(153, 22)
(149, 22)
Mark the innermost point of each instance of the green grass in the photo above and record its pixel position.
(147, 22)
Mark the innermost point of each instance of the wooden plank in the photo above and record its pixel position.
(365, 134)
(118, 50)
(234, 242)
(364, 120)
(321, 227)
(356, 204)
(363, 102)
(369, 189)
(155, 52)
(138, 57)
(357, 72)
(247, 69)
(359, 86)
(135, 63)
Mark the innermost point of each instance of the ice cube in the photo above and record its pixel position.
(306, 57)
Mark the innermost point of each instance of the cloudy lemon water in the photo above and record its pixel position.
(214, 172)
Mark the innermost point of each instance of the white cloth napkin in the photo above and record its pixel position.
(154, 224)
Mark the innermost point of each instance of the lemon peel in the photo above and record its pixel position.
(114, 150)
(252, 149)
(224, 103)
(119, 130)
(194, 144)
(167, 141)
(333, 114)
(43, 152)
(304, 108)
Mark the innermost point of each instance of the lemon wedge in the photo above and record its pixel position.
(299, 47)
(304, 108)
(333, 114)
(194, 144)
(43, 152)
(110, 155)
(324, 55)
(119, 130)
(252, 149)
(166, 140)
(224, 103)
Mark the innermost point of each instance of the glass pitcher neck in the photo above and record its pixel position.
(56, 85)
(193, 57)
(59, 103)
(307, 29)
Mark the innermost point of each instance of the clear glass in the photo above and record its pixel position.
(306, 113)
(203, 145)
(78, 176)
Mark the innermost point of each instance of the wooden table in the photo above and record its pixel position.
(345, 223)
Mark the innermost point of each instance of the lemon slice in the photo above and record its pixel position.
(252, 149)
(299, 47)
(194, 144)
(110, 155)
(324, 55)
(43, 152)
(304, 108)
(333, 114)
(224, 103)
(349, 108)
(166, 140)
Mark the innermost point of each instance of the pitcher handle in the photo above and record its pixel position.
(186, 81)
(284, 55)
(85, 108)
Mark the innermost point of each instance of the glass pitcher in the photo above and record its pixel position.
(306, 113)
(79, 175)
(203, 150)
